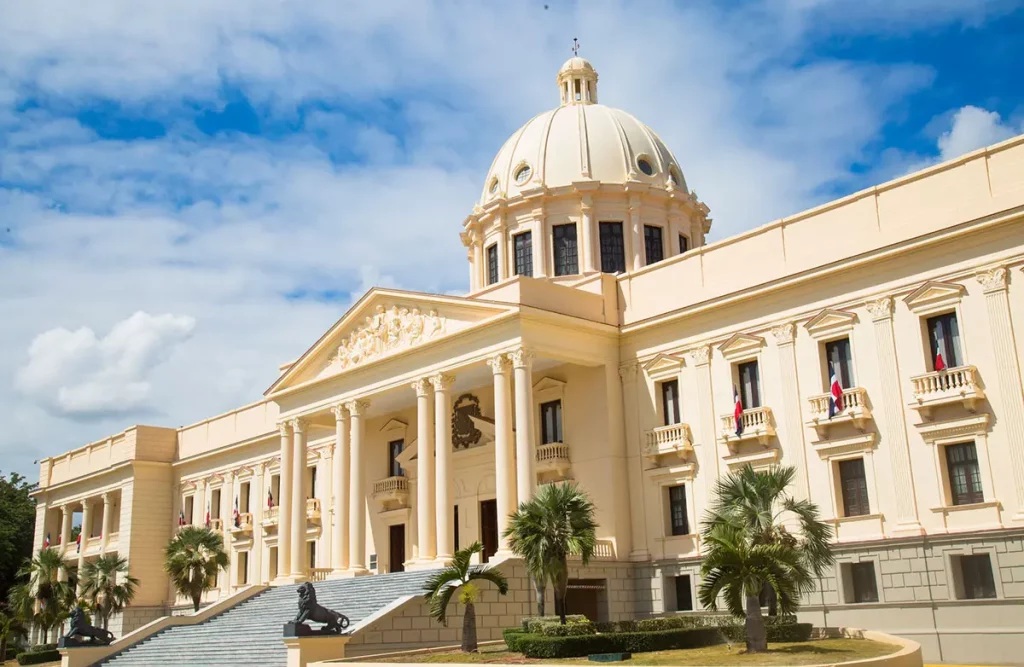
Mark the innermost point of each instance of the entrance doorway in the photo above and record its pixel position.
(489, 527)
(396, 548)
(587, 597)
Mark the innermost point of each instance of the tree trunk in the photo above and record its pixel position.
(757, 637)
(561, 586)
(3, 651)
(540, 589)
(196, 599)
(469, 629)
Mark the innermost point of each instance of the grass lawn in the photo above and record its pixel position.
(827, 651)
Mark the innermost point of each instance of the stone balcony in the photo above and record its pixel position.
(244, 527)
(946, 387)
(392, 492)
(313, 509)
(758, 424)
(216, 525)
(553, 457)
(269, 521)
(855, 410)
(673, 440)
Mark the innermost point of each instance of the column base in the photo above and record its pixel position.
(352, 572)
(501, 555)
(291, 579)
(421, 564)
(640, 555)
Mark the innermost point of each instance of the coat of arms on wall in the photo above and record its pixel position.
(386, 330)
(465, 434)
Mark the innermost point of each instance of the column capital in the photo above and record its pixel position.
(442, 381)
(357, 408)
(299, 425)
(340, 412)
(108, 497)
(421, 386)
(992, 280)
(628, 370)
(784, 333)
(522, 357)
(701, 355)
(880, 309)
(283, 427)
(499, 364)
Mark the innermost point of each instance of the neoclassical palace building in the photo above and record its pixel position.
(604, 341)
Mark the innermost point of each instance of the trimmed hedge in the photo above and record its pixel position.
(535, 646)
(776, 632)
(512, 637)
(37, 657)
(534, 623)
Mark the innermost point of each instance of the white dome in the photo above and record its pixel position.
(580, 141)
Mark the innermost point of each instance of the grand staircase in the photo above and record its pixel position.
(249, 634)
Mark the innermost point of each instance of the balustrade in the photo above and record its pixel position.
(951, 385)
(553, 457)
(855, 408)
(391, 492)
(757, 424)
(671, 439)
(313, 509)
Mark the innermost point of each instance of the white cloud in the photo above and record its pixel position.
(78, 375)
(972, 128)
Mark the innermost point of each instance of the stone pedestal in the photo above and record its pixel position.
(82, 656)
(304, 650)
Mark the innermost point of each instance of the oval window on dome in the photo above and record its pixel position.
(644, 165)
(523, 174)
(493, 190)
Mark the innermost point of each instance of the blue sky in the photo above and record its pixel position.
(192, 192)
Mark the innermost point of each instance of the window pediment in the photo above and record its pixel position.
(549, 385)
(829, 323)
(663, 366)
(858, 444)
(741, 346)
(954, 430)
(393, 425)
(933, 297)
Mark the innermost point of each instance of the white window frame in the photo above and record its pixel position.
(845, 578)
(936, 298)
(938, 435)
(953, 577)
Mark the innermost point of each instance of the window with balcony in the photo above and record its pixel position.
(395, 448)
(275, 490)
(190, 507)
(944, 340)
(684, 593)
(455, 525)
(613, 248)
(311, 487)
(565, 249)
(854, 485)
(972, 577)
(243, 497)
(684, 243)
(551, 422)
(311, 553)
(679, 522)
(964, 475)
(839, 359)
(654, 249)
(670, 402)
(243, 568)
(214, 508)
(749, 384)
(859, 582)
(523, 250)
(492, 263)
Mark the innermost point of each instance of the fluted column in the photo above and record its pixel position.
(339, 473)
(894, 431)
(710, 461)
(298, 527)
(526, 450)
(86, 523)
(108, 500)
(1000, 326)
(425, 526)
(65, 527)
(257, 501)
(357, 492)
(794, 448)
(284, 504)
(587, 233)
(443, 480)
(504, 463)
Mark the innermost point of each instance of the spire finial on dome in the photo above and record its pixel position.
(577, 80)
(575, 46)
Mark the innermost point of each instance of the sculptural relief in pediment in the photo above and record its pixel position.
(389, 329)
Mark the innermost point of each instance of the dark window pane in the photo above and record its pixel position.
(524, 253)
(394, 449)
(944, 337)
(455, 527)
(964, 476)
(566, 252)
(684, 243)
(839, 357)
(865, 588)
(855, 487)
(677, 510)
(613, 251)
(655, 251)
(750, 390)
(670, 401)
(684, 595)
(492, 263)
(551, 422)
(976, 572)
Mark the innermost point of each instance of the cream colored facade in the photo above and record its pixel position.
(465, 379)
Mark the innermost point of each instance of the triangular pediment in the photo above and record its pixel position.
(933, 296)
(548, 384)
(830, 322)
(394, 425)
(663, 365)
(383, 324)
(741, 345)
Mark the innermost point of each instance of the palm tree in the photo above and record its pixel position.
(749, 549)
(11, 628)
(192, 559)
(45, 597)
(101, 589)
(458, 577)
(544, 531)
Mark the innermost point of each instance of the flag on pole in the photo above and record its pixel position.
(940, 364)
(46, 542)
(737, 412)
(237, 516)
(835, 399)
(181, 517)
(78, 542)
(207, 514)
(270, 499)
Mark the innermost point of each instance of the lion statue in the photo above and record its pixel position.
(309, 610)
(80, 630)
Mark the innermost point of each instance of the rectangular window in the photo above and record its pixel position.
(684, 243)
(653, 247)
(613, 250)
(964, 477)
(750, 385)
(684, 594)
(566, 250)
(215, 504)
(976, 577)
(551, 422)
(243, 497)
(524, 253)
(492, 263)
(243, 568)
(855, 487)
(670, 401)
(455, 526)
(190, 506)
(944, 338)
(863, 582)
(311, 550)
(839, 360)
(275, 490)
(312, 481)
(395, 448)
(677, 510)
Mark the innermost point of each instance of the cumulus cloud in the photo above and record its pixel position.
(79, 375)
(972, 128)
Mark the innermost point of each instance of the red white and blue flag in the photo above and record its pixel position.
(236, 515)
(78, 542)
(46, 542)
(835, 399)
(270, 499)
(181, 517)
(207, 515)
(737, 412)
(940, 363)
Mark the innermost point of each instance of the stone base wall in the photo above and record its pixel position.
(133, 618)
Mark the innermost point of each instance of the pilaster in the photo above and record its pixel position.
(794, 446)
(634, 460)
(711, 463)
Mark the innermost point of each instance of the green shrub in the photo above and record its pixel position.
(534, 646)
(777, 631)
(685, 622)
(534, 623)
(567, 630)
(41, 648)
(626, 626)
(512, 637)
(37, 657)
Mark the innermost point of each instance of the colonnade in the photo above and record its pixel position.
(67, 512)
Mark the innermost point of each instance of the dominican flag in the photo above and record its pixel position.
(737, 412)
(940, 364)
(236, 515)
(835, 399)
(78, 542)
(270, 499)
(181, 517)
(207, 515)
(46, 542)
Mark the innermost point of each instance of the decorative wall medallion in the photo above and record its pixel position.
(387, 330)
(465, 434)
